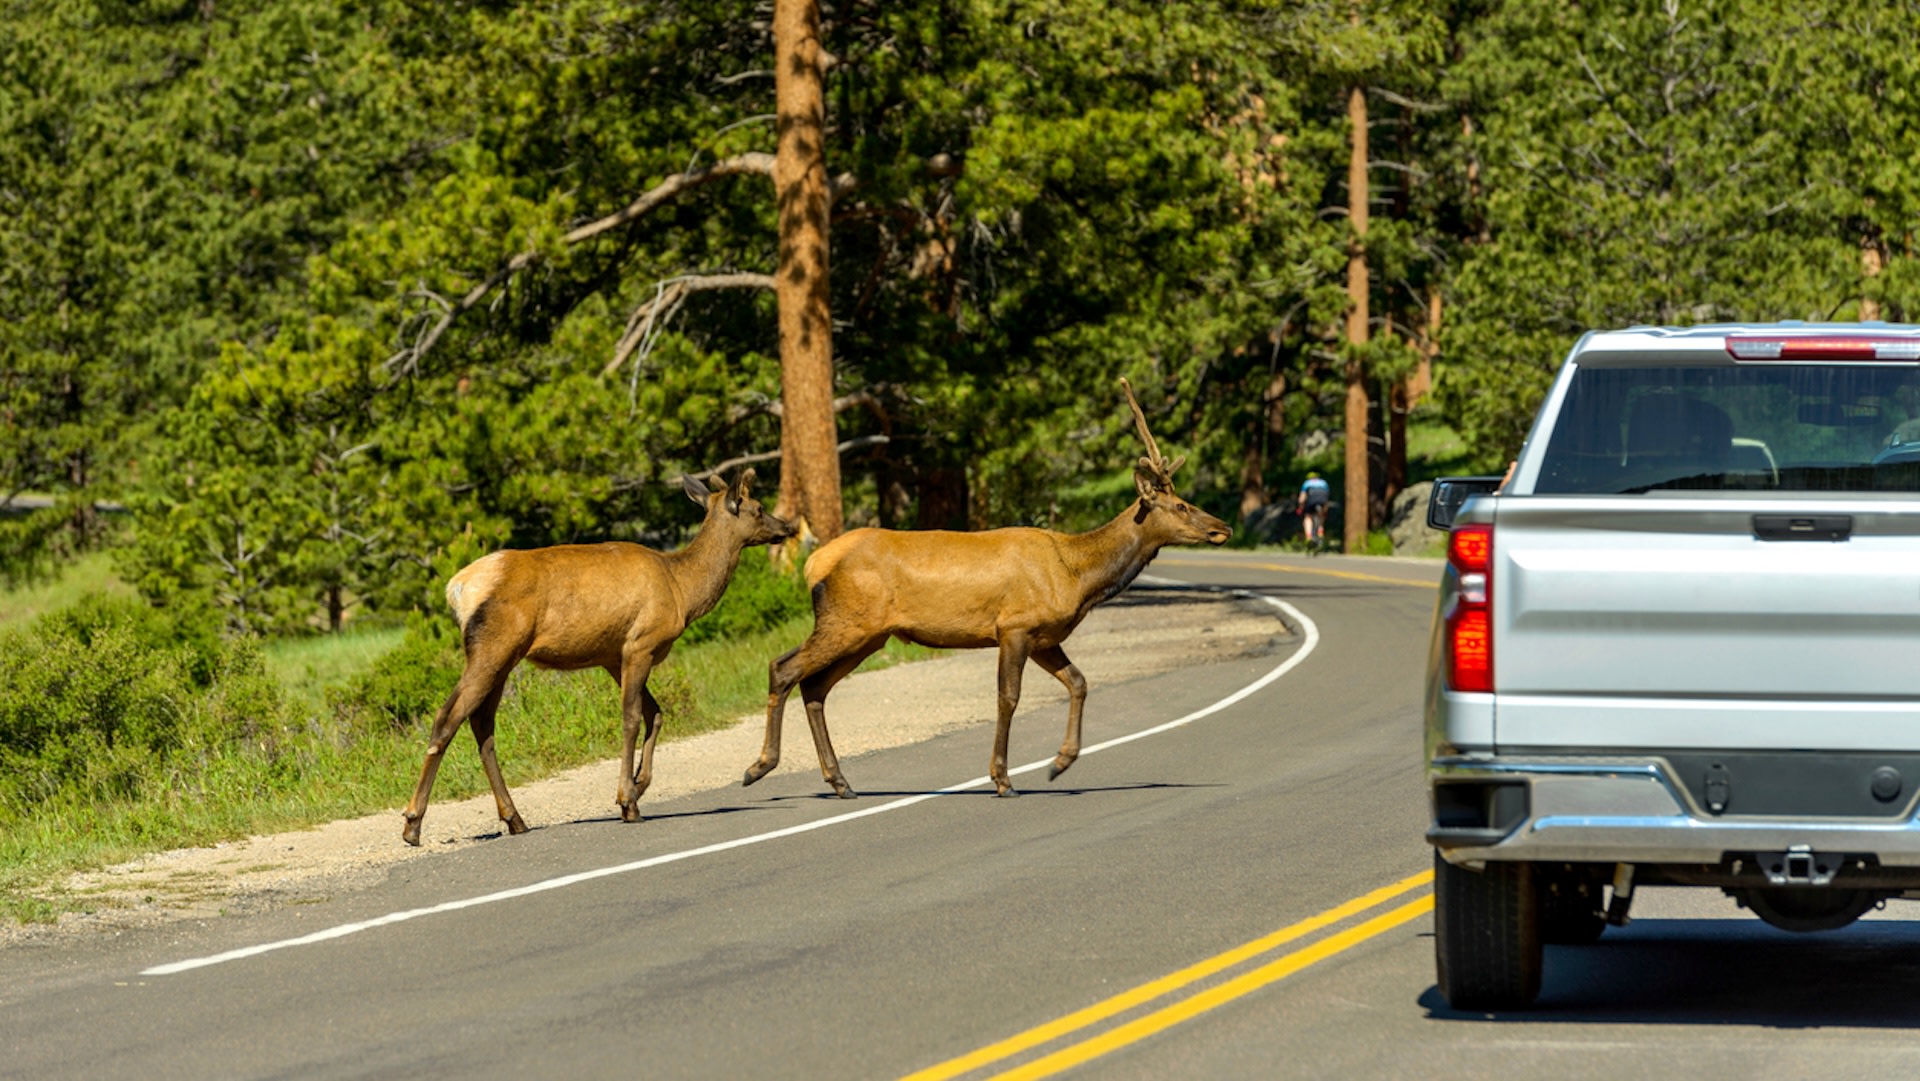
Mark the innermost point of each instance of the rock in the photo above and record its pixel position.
(1407, 523)
(1274, 523)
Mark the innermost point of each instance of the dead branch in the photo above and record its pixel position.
(753, 162)
(406, 360)
(649, 319)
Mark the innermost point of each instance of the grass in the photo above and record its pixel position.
(1436, 450)
(306, 667)
(90, 574)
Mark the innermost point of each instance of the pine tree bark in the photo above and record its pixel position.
(809, 459)
(1358, 489)
(1872, 259)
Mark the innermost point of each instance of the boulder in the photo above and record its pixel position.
(1407, 523)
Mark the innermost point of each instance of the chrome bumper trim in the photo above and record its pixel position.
(1629, 811)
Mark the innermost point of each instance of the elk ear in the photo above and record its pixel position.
(696, 489)
(1145, 479)
(741, 490)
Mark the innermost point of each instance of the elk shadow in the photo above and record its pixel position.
(1726, 972)
(614, 818)
(1140, 595)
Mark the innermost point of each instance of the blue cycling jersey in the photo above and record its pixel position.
(1316, 490)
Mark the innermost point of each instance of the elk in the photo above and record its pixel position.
(617, 606)
(1023, 590)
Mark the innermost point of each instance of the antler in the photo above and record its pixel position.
(1153, 460)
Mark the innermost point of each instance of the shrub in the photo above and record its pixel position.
(761, 597)
(408, 683)
(111, 700)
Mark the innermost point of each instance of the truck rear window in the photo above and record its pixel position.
(1784, 427)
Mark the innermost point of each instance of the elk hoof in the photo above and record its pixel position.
(629, 813)
(1007, 791)
(845, 790)
(755, 772)
(410, 832)
(516, 825)
(1059, 766)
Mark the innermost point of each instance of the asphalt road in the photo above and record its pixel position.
(1241, 891)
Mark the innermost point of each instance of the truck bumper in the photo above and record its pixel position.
(1625, 810)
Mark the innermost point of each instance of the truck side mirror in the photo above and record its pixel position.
(1451, 493)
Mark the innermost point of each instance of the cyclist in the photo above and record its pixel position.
(1312, 507)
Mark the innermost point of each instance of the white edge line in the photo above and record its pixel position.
(1312, 639)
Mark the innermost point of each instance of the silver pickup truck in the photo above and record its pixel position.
(1681, 646)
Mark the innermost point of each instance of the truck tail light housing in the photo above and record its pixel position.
(1469, 626)
(1827, 347)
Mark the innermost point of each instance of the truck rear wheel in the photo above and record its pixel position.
(1487, 947)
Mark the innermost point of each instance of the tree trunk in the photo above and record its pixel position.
(1872, 258)
(1253, 469)
(943, 498)
(809, 460)
(1397, 407)
(1420, 383)
(1253, 463)
(1358, 493)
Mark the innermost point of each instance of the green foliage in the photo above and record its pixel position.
(402, 690)
(306, 286)
(168, 175)
(761, 597)
(112, 701)
(1646, 164)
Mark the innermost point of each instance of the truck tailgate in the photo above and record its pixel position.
(1669, 622)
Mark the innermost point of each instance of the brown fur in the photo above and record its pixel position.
(1022, 590)
(614, 606)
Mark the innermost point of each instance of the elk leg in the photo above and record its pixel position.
(633, 689)
(468, 695)
(481, 724)
(781, 676)
(1014, 650)
(650, 713)
(1054, 660)
(813, 691)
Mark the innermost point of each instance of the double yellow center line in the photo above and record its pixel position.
(1193, 1005)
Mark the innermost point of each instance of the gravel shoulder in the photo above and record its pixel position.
(1144, 632)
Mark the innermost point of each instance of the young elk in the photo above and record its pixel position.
(1023, 590)
(615, 606)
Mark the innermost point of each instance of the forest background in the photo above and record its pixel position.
(305, 303)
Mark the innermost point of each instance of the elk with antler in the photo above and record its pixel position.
(616, 606)
(1023, 590)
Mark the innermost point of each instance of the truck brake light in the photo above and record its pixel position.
(1470, 548)
(1469, 627)
(1824, 347)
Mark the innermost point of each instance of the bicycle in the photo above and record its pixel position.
(1315, 516)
